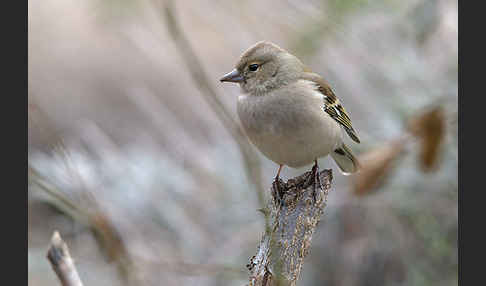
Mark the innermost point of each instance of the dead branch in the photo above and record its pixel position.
(294, 214)
(62, 263)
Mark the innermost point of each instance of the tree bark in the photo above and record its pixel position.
(295, 212)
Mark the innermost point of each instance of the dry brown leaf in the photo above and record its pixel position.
(376, 165)
(429, 128)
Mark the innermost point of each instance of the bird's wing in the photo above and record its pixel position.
(332, 105)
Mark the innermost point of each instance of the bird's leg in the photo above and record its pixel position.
(277, 182)
(317, 180)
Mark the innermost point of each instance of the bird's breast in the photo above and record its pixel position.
(288, 127)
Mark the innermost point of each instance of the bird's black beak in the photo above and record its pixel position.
(233, 76)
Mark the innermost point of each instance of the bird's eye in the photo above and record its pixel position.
(253, 67)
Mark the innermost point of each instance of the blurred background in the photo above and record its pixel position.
(135, 157)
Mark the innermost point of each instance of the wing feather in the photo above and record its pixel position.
(332, 105)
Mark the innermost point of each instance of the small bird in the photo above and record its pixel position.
(290, 113)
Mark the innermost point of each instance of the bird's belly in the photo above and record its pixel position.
(295, 137)
(293, 149)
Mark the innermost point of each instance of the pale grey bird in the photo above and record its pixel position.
(290, 113)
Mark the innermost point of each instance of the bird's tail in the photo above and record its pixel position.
(345, 160)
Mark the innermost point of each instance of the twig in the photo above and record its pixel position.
(295, 214)
(62, 263)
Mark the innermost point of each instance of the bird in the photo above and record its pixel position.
(290, 113)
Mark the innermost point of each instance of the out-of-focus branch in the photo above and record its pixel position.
(91, 214)
(62, 263)
(66, 204)
(194, 66)
(295, 215)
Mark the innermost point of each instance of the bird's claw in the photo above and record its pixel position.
(316, 181)
(279, 192)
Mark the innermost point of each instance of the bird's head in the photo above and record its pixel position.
(264, 67)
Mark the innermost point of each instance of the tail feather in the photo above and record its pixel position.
(345, 159)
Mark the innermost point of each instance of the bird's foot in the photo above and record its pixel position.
(278, 190)
(316, 179)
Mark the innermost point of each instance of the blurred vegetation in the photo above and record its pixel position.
(150, 185)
